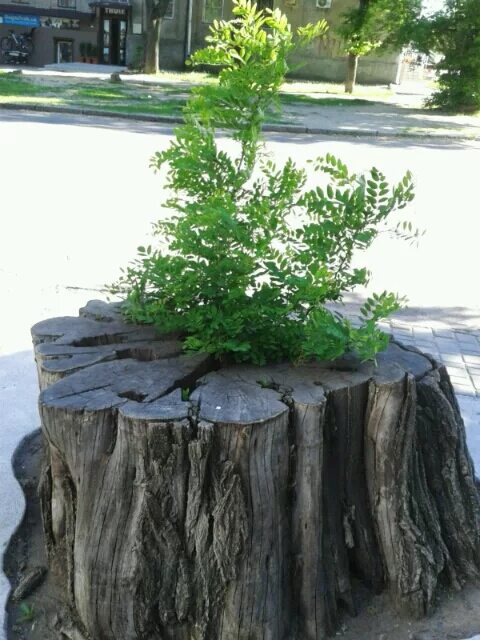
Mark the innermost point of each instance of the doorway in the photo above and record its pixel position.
(114, 32)
(63, 50)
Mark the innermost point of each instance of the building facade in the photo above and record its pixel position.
(112, 32)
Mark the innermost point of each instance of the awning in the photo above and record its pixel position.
(71, 14)
(110, 4)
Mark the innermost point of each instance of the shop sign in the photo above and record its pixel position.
(21, 20)
(109, 11)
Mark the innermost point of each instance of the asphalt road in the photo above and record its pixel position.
(78, 197)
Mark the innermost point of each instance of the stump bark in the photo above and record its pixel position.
(183, 500)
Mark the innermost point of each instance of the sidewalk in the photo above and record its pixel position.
(398, 115)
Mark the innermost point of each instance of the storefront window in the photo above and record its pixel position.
(122, 44)
(67, 4)
(170, 10)
(59, 23)
(212, 10)
(106, 40)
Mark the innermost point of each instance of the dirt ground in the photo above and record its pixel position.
(41, 615)
(37, 616)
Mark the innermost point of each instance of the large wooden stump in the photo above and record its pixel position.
(184, 501)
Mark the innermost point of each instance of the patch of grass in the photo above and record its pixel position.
(189, 77)
(167, 97)
(293, 98)
(13, 85)
(163, 108)
(336, 88)
(27, 613)
(99, 93)
(37, 100)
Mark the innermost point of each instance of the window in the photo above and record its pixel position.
(212, 10)
(170, 10)
(67, 4)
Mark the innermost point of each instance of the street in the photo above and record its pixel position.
(78, 197)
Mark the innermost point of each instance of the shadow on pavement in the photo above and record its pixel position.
(119, 124)
(466, 318)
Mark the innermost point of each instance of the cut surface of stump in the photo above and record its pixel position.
(186, 500)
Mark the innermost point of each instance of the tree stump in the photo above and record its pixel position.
(185, 500)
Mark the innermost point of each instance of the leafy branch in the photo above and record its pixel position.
(252, 255)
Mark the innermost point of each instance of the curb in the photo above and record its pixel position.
(269, 128)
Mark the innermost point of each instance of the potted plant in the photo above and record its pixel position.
(93, 54)
(83, 51)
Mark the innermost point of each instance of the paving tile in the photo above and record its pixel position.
(401, 332)
(470, 350)
(409, 341)
(448, 346)
(426, 346)
(444, 334)
(459, 372)
(473, 370)
(466, 338)
(472, 359)
(452, 358)
(463, 390)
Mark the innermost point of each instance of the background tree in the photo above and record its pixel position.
(375, 24)
(156, 10)
(455, 33)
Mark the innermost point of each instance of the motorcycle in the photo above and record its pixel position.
(17, 48)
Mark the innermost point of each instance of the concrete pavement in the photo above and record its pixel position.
(71, 223)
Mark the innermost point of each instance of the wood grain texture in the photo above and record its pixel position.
(184, 500)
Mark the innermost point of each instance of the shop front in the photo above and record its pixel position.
(58, 35)
(112, 20)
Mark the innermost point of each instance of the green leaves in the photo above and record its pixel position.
(378, 23)
(455, 33)
(252, 257)
(329, 335)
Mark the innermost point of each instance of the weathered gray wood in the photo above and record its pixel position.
(185, 501)
(29, 583)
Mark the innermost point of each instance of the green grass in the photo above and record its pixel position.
(13, 85)
(311, 87)
(294, 99)
(167, 97)
(99, 93)
(165, 108)
(189, 77)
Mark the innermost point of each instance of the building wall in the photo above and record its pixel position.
(45, 38)
(323, 60)
(44, 42)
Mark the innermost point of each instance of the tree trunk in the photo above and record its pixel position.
(152, 45)
(352, 66)
(186, 501)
